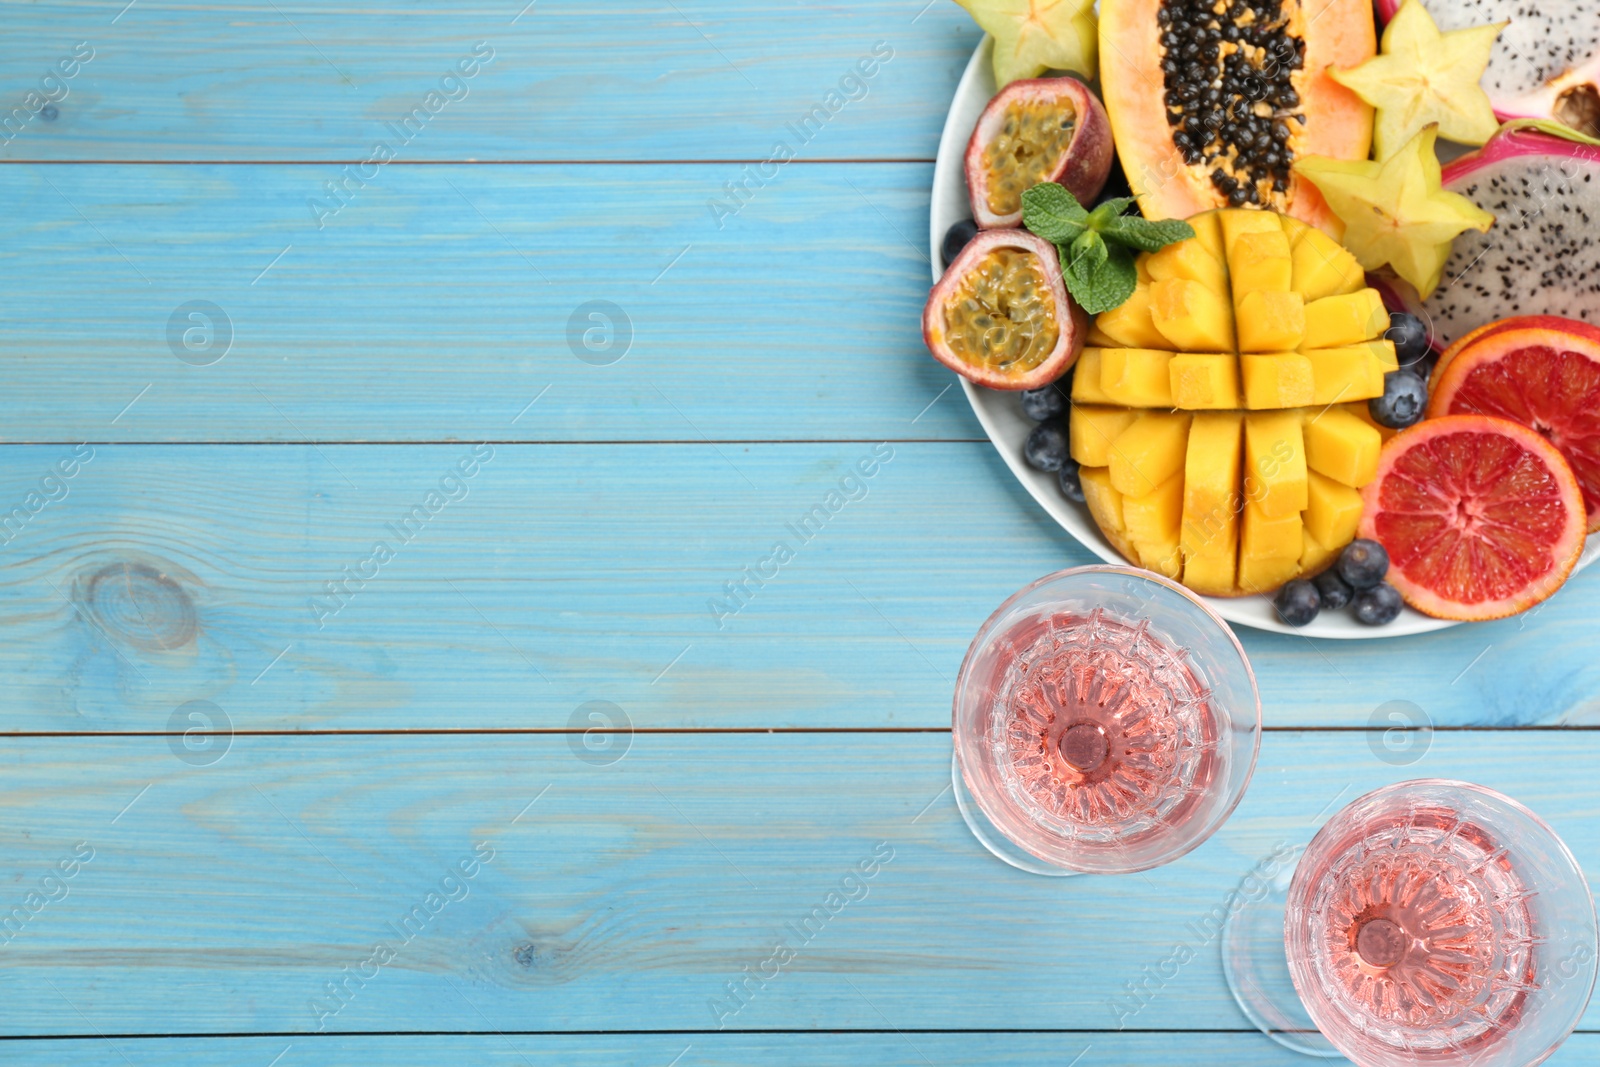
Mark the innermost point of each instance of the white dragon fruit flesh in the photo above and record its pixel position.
(1542, 255)
(1546, 64)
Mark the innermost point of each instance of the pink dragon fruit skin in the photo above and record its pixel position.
(1546, 64)
(1542, 255)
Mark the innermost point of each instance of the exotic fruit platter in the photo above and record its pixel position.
(1295, 302)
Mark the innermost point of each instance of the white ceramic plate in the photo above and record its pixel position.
(1002, 418)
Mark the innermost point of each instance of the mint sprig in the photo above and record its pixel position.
(1096, 247)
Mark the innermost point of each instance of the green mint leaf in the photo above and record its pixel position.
(1053, 213)
(1088, 253)
(1100, 218)
(1145, 235)
(1106, 286)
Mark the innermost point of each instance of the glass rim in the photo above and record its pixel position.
(1151, 577)
(1561, 849)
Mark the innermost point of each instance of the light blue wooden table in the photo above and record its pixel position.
(392, 350)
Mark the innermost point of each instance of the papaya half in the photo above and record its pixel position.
(1212, 101)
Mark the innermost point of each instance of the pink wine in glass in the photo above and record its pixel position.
(1440, 923)
(1104, 721)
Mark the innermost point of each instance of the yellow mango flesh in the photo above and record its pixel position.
(1260, 262)
(1189, 260)
(1153, 521)
(1236, 221)
(1211, 497)
(1361, 411)
(1323, 268)
(1276, 380)
(1086, 378)
(1263, 574)
(1270, 322)
(1191, 317)
(1340, 375)
(1130, 325)
(1105, 507)
(1098, 338)
(1333, 511)
(1148, 452)
(1255, 331)
(1207, 229)
(1275, 463)
(1342, 446)
(1314, 556)
(1200, 382)
(1136, 377)
(1091, 429)
(1345, 320)
(1269, 537)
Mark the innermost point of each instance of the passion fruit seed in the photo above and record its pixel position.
(1031, 139)
(1230, 93)
(1001, 312)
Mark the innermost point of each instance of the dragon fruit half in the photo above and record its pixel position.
(1542, 256)
(1546, 64)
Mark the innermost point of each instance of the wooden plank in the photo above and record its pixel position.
(172, 573)
(703, 1050)
(620, 81)
(225, 898)
(441, 301)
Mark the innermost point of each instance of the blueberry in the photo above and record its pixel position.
(1377, 605)
(1046, 447)
(1404, 396)
(1336, 592)
(1362, 564)
(1410, 337)
(956, 238)
(1071, 485)
(1045, 402)
(1297, 602)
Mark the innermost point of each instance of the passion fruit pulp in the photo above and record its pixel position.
(1038, 130)
(1001, 316)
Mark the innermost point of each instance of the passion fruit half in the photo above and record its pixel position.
(1001, 316)
(1038, 130)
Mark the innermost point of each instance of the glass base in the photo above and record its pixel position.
(1257, 968)
(990, 837)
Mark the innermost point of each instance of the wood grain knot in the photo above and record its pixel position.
(140, 605)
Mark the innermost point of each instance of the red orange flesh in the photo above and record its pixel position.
(1545, 379)
(1481, 517)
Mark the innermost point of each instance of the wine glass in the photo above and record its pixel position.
(1105, 721)
(1429, 923)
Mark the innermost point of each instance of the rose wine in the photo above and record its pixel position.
(1105, 720)
(1100, 727)
(1436, 922)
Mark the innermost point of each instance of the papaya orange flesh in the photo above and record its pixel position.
(1212, 102)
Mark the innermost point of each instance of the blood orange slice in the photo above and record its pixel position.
(1545, 376)
(1516, 322)
(1481, 517)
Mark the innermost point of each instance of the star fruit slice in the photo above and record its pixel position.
(1395, 212)
(1033, 36)
(1423, 76)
